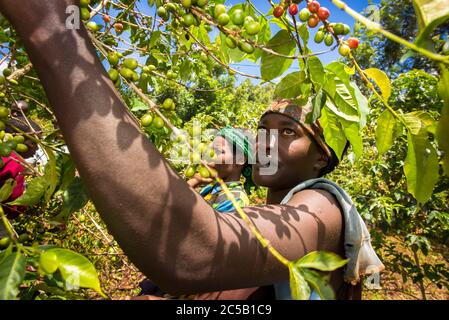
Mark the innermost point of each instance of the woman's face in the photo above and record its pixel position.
(298, 156)
(224, 161)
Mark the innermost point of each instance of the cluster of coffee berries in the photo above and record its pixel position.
(313, 14)
(9, 142)
(149, 119)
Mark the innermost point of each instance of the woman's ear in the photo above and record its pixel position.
(321, 163)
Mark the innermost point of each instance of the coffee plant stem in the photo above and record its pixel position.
(7, 225)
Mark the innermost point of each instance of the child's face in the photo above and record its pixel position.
(225, 161)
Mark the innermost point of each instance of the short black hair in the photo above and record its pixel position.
(21, 123)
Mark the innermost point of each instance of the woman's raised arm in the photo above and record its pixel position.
(164, 226)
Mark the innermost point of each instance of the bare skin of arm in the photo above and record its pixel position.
(162, 224)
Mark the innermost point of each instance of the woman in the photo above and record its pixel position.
(232, 157)
(165, 227)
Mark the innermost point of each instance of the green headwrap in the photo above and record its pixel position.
(241, 142)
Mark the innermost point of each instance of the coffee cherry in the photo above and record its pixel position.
(19, 139)
(84, 3)
(7, 72)
(278, 11)
(146, 119)
(118, 27)
(252, 28)
(304, 15)
(219, 10)
(204, 172)
(313, 6)
(223, 19)
(168, 104)
(113, 58)
(4, 112)
(344, 50)
(319, 36)
(201, 3)
(188, 20)
(106, 18)
(126, 73)
(238, 17)
(162, 12)
(186, 3)
(92, 25)
(313, 21)
(171, 74)
(353, 43)
(328, 40)
(48, 261)
(113, 74)
(85, 14)
(4, 242)
(338, 28)
(130, 63)
(246, 47)
(346, 29)
(158, 122)
(190, 172)
(293, 9)
(230, 42)
(323, 13)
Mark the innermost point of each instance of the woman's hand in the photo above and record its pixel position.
(198, 180)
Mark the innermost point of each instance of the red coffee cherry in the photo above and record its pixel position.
(293, 9)
(278, 11)
(313, 6)
(313, 21)
(323, 13)
(353, 43)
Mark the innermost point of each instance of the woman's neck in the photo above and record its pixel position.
(276, 196)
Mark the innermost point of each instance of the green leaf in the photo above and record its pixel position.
(430, 14)
(413, 123)
(290, 85)
(318, 103)
(319, 283)
(51, 173)
(273, 66)
(74, 197)
(154, 38)
(427, 119)
(443, 124)
(299, 287)
(303, 31)
(333, 132)
(185, 70)
(67, 172)
(421, 165)
(352, 133)
(362, 103)
(316, 70)
(7, 188)
(339, 69)
(77, 270)
(382, 81)
(344, 101)
(34, 192)
(384, 131)
(321, 260)
(12, 272)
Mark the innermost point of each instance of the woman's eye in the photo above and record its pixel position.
(288, 132)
